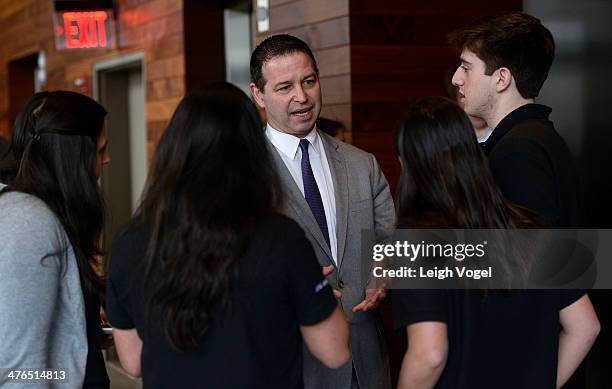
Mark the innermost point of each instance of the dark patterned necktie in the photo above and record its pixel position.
(311, 191)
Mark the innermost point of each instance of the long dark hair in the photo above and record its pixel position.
(446, 184)
(55, 147)
(445, 175)
(212, 179)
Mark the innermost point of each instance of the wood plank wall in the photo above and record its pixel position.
(204, 58)
(399, 53)
(324, 25)
(154, 27)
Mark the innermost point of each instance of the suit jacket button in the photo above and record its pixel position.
(340, 284)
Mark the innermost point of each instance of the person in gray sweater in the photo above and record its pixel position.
(42, 311)
(51, 220)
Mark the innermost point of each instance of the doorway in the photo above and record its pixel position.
(22, 83)
(119, 87)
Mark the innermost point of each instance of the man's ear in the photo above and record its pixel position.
(257, 95)
(503, 79)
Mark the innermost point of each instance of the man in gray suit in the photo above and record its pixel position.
(333, 190)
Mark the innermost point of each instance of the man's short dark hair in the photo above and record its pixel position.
(276, 46)
(517, 41)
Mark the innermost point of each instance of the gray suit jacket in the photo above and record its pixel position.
(363, 201)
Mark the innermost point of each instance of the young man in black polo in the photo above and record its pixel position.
(504, 63)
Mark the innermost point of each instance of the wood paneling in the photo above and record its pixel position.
(156, 130)
(397, 60)
(376, 117)
(171, 45)
(336, 89)
(286, 15)
(432, 7)
(399, 53)
(165, 87)
(306, 12)
(152, 26)
(334, 61)
(330, 33)
(145, 12)
(274, 3)
(21, 84)
(318, 10)
(166, 67)
(154, 31)
(161, 110)
(204, 43)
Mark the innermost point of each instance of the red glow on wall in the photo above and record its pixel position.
(79, 30)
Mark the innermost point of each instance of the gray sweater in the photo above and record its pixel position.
(42, 312)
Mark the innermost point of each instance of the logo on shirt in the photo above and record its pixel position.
(321, 285)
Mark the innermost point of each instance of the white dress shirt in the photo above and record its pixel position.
(288, 146)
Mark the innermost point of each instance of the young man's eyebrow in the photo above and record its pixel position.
(464, 61)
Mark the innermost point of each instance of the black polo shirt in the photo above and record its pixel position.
(533, 166)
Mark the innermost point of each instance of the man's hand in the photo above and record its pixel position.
(373, 299)
(327, 270)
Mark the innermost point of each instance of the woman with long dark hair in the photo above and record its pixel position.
(209, 286)
(51, 218)
(466, 338)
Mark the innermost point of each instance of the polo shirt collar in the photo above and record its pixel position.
(521, 114)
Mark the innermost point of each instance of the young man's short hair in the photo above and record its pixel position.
(276, 46)
(517, 41)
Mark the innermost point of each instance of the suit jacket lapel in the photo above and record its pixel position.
(295, 200)
(339, 175)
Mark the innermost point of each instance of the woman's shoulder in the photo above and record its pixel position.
(31, 233)
(275, 236)
(27, 213)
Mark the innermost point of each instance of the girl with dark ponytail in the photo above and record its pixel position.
(52, 218)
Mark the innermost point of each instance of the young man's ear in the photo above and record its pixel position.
(257, 95)
(503, 79)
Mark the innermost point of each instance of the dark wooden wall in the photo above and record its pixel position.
(377, 56)
(398, 54)
(204, 43)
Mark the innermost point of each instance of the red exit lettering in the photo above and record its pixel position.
(85, 29)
